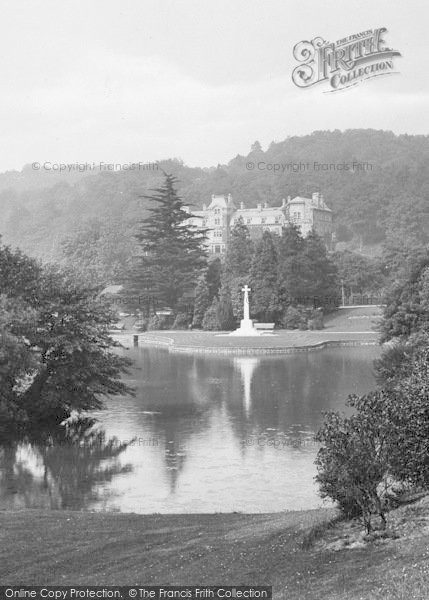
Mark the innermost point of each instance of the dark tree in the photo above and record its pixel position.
(239, 254)
(320, 273)
(172, 253)
(265, 301)
(55, 348)
(213, 277)
(359, 274)
(290, 247)
(202, 301)
(407, 304)
(225, 313)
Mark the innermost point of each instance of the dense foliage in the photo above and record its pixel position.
(385, 442)
(172, 253)
(382, 446)
(407, 308)
(287, 274)
(55, 349)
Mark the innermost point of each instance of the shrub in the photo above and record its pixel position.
(157, 322)
(211, 319)
(353, 463)
(409, 414)
(182, 321)
(316, 320)
(294, 319)
(225, 313)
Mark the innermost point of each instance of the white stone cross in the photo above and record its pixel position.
(246, 312)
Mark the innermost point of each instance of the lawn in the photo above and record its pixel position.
(81, 548)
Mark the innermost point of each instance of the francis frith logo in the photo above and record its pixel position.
(344, 63)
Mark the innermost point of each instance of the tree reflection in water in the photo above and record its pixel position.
(65, 469)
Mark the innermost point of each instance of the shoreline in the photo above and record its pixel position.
(150, 340)
(346, 328)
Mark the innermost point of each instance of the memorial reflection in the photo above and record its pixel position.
(192, 418)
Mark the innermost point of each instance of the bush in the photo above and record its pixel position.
(294, 318)
(211, 319)
(353, 463)
(302, 317)
(182, 321)
(157, 322)
(409, 414)
(316, 320)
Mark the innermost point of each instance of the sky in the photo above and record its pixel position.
(144, 80)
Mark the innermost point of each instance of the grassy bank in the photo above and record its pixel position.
(353, 326)
(64, 548)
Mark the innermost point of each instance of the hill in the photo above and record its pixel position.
(375, 182)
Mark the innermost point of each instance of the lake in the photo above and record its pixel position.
(201, 434)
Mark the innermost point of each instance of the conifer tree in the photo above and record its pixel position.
(213, 277)
(319, 273)
(211, 319)
(290, 247)
(265, 301)
(172, 252)
(238, 258)
(202, 300)
(225, 313)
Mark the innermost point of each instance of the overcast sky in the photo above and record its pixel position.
(142, 80)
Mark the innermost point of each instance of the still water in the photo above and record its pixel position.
(201, 434)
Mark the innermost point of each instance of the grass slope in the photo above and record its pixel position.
(66, 548)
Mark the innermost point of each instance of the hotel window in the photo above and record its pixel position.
(249, 220)
(204, 223)
(217, 249)
(217, 221)
(277, 220)
(217, 211)
(263, 220)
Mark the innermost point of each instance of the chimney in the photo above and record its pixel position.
(204, 206)
(259, 206)
(241, 205)
(315, 197)
(265, 204)
(229, 198)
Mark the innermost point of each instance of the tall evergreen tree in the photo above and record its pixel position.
(213, 277)
(172, 254)
(238, 261)
(202, 300)
(265, 301)
(290, 247)
(320, 273)
(225, 313)
(238, 258)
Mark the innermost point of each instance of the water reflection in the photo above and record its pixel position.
(67, 470)
(246, 366)
(202, 434)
